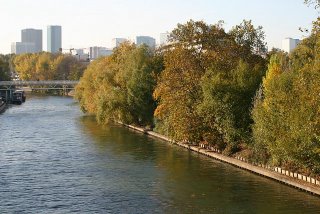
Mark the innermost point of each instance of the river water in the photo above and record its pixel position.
(54, 159)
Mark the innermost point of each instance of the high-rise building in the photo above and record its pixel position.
(22, 47)
(32, 36)
(54, 40)
(288, 44)
(117, 41)
(147, 40)
(96, 52)
(164, 38)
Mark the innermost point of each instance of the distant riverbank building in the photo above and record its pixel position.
(147, 40)
(31, 42)
(289, 44)
(54, 38)
(22, 47)
(32, 36)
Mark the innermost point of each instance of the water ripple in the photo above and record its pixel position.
(55, 160)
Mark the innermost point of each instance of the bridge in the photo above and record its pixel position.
(7, 88)
(39, 85)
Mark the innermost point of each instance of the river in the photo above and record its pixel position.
(54, 159)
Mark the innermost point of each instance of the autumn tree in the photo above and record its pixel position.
(250, 39)
(25, 66)
(286, 118)
(47, 66)
(210, 78)
(194, 46)
(67, 67)
(119, 87)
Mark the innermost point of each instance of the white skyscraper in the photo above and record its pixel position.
(147, 40)
(54, 40)
(289, 44)
(32, 36)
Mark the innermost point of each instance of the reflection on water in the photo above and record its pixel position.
(55, 160)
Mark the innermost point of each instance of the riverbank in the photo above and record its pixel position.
(308, 184)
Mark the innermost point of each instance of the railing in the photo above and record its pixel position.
(30, 83)
(54, 84)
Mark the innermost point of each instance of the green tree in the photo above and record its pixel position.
(4, 68)
(286, 118)
(119, 87)
(227, 102)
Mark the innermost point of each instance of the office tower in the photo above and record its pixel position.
(22, 47)
(288, 44)
(32, 36)
(54, 40)
(117, 41)
(147, 40)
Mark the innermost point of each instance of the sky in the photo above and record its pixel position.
(88, 23)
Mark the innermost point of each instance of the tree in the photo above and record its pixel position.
(227, 102)
(287, 118)
(25, 66)
(4, 68)
(67, 67)
(178, 92)
(195, 45)
(251, 39)
(43, 67)
(119, 87)
(47, 66)
(210, 78)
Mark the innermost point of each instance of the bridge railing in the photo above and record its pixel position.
(39, 83)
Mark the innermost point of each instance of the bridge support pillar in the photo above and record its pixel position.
(65, 93)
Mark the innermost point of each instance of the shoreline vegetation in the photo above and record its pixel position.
(41, 66)
(219, 89)
(207, 87)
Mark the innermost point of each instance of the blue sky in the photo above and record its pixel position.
(95, 22)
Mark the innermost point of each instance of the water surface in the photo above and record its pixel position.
(54, 159)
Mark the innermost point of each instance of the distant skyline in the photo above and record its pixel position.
(95, 22)
(54, 39)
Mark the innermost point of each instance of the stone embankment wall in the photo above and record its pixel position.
(293, 179)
